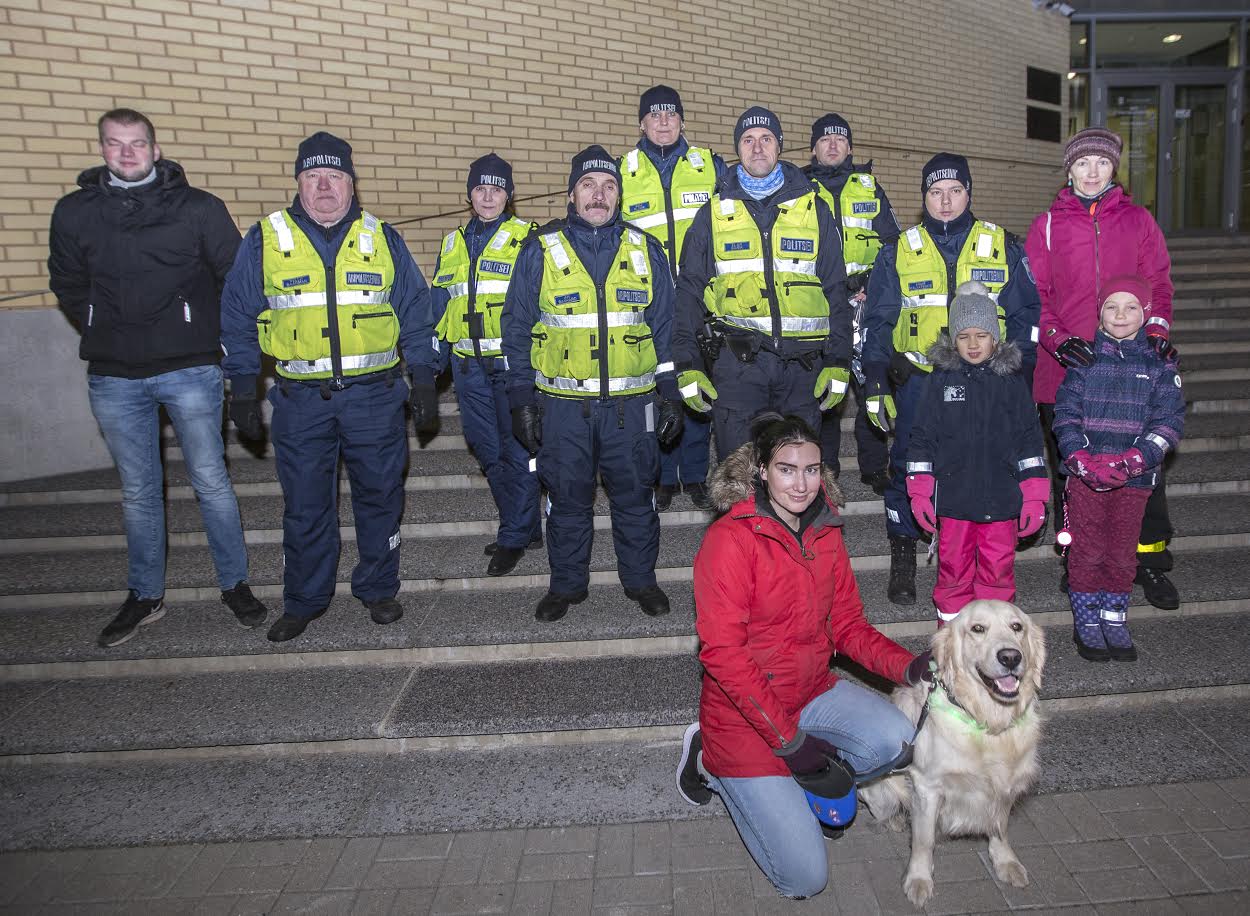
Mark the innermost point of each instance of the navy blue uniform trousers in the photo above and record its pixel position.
(898, 518)
(366, 424)
(688, 459)
(872, 450)
(583, 439)
(487, 423)
(745, 390)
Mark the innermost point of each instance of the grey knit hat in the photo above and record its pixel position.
(973, 308)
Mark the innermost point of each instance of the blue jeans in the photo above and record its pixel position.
(771, 812)
(128, 411)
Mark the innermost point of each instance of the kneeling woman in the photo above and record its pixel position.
(775, 600)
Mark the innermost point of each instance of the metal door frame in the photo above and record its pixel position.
(1167, 80)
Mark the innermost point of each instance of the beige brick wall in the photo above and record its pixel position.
(423, 87)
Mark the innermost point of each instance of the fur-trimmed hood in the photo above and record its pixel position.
(1006, 360)
(734, 480)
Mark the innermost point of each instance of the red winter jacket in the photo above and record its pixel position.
(769, 617)
(1072, 253)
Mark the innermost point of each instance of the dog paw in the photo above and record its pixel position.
(918, 889)
(1012, 872)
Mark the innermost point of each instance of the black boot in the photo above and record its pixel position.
(902, 589)
(1158, 588)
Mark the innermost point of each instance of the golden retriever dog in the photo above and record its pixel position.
(976, 752)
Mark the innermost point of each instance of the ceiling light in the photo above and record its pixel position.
(1083, 41)
(1071, 74)
(1173, 38)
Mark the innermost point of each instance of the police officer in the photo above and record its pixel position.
(331, 293)
(762, 294)
(587, 323)
(664, 182)
(471, 279)
(866, 219)
(908, 297)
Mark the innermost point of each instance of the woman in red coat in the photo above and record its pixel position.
(1092, 232)
(775, 600)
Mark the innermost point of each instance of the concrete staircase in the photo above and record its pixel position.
(469, 714)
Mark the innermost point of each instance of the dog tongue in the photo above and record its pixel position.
(1008, 684)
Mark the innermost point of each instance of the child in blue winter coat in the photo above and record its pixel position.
(976, 460)
(1114, 421)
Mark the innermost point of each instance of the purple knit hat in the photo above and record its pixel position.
(1093, 141)
(1127, 283)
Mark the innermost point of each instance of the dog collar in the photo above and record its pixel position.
(943, 702)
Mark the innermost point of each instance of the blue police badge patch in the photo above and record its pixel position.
(863, 206)
(632, 296)
(989, 274)
(568, 298)
(634, 208)
(919, 285)
(953, 393)
(363, 278)
(443, 278)
(495, 267)
(737, 246)
(798, 246)
(292, 282)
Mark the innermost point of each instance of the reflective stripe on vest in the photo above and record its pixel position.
(749, 279)
(572, 315)
(922, 273)
(856, 208)
(299, 329)
(645, 206)
(474, 305)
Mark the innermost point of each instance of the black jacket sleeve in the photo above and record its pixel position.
(67, 265)
(831, 269)
(1030, 452)
(697, 267)
(219, 239)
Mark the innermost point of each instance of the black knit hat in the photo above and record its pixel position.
(659, 99)
(324, 151)
(593, 159)
(490, 169)
(831, 124)
(758, 116)
(945, 166)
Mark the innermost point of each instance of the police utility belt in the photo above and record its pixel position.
(327, 386)
(746, 345)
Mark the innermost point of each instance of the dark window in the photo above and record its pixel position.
(1043, 124)
(1044, 86)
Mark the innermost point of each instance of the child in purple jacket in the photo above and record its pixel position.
(1115, 421)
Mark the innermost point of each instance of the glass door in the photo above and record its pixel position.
(1176, 145)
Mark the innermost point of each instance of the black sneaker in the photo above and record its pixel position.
(664, 496)
(504, 560)
(535, 541)
(1158, 588)
(384, 610)
(690, 782)
(554, 605)
(136, 612)
(247, 608)
(698, 495)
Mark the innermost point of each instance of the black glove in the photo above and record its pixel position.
(527, 426)
(918, 669)
(423, 402)
(245, 414)
(1075, 351)
(1163, 347)
(807, 754)
(669, 426)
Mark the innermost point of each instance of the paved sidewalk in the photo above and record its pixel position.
(1181, 848)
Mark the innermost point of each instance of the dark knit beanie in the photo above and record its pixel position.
(490, 169)
(758, 116)
(324, 151)
(660, 99)
(945, 166)
(592, 159)
(972, 307)
(1093, 141)
(1127, 283)
(831, 124)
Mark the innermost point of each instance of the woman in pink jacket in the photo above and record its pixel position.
(1092, 232)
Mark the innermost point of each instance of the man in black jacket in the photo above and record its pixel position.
(138, 258)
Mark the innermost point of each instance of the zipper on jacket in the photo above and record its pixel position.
(602, 305)
(780, 736)
(1097, 266)
(770, 288)
(186, 309)
(90, 313)
(356, 318)
(472, 310)
(672, 226)
(332, 318)
(789, 283)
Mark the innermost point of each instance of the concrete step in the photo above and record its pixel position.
(275, 796)
(433, 702)
(1214, 241)
(465, 626)
(447, 557)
